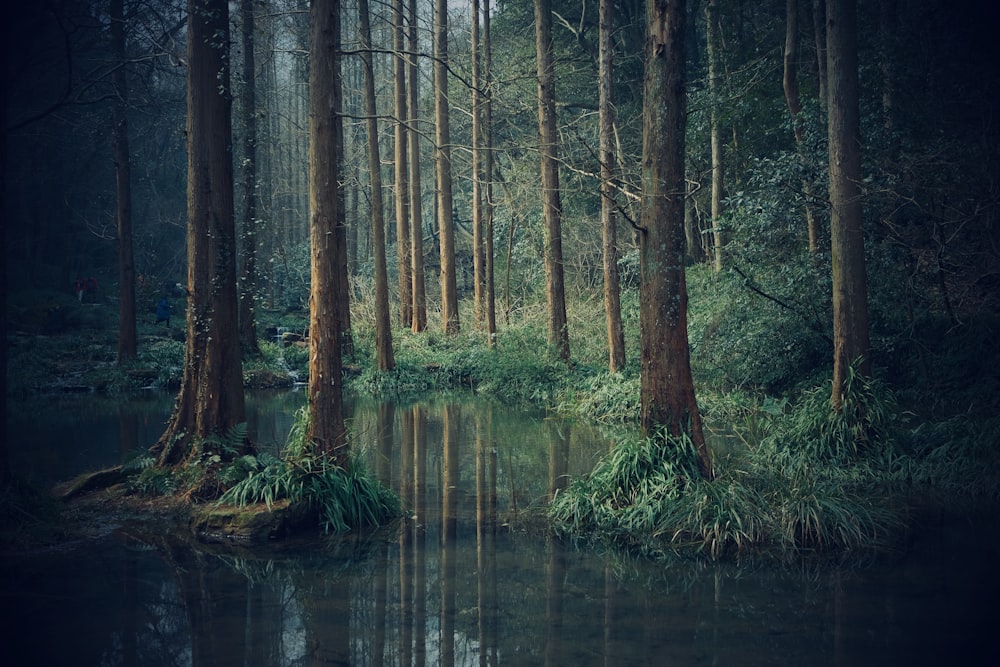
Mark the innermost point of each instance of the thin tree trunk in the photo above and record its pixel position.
(326, 412)
(609, 219)
(446, 228)
(383, 324)
(850, 289)
(558, 334)
(416, 198)
(819, 34)
(123, 191)
(790, 82)
(712, 15)
(404, 267)
(666, 386)
(248, 277)
(478, 255)
(491, 304)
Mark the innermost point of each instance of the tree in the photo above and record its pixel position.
(609, 218)
(667, 388)
(403, 252)
(326, 410)
(488, 213)
(211, 395)
(790, 83)
(416, 206)
(558, 334)
(383, 326)
(446, 226)
(847, 249)
(248, 276)
(478, 255)
(712, 41)
(123, 190)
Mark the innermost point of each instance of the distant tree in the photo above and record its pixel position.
(248, 276)
(666, 386)
(123, 190)
(555, 291)
(488, 211)
(712, 41)
(478, 254)
(609, 217)
(847, 250)
(211, 396)
(326, 428)
(416, 207)
(446, 226)
(383, 326)
(404, 259)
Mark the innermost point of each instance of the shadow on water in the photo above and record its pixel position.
(466, 577)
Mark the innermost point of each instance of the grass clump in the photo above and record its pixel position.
(343, 497)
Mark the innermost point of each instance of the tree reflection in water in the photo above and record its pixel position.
(468, 578)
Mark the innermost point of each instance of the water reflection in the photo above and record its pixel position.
(462, 581)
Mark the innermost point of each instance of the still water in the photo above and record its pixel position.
(466, 579)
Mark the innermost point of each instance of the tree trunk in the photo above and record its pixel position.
(609, 218)
(326, 410)
(819, 34)
(790, 82)
(416, 199)
(404, 267)
(667, 389)
(446, 228)
(488, 251)
(383, 323)
(211, 396)
(558, 336)
(123, 191)
(847, 250)
(478, 254)
(248, 277)
(712, 16)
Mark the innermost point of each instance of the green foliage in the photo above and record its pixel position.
(343, 498)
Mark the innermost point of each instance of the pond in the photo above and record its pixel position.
(465, 579)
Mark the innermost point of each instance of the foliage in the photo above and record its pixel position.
(343, 498)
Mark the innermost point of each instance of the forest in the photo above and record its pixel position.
(773, 220)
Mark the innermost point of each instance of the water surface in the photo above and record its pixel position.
(465, 579)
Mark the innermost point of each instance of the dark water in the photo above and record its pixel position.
(465, 580)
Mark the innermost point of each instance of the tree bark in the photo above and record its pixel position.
(404, 269)
(383, 324)
(850, 289)
(478, 254)
(416, 198)
(326, 411)
(609, 218)
(488, 211)
(667, 388)
(558, 333)
(211, 396)
(446, 227)
(712, 16)
(127, 344)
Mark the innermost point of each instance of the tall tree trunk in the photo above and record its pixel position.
(667, 388)
(404, 268)
(123, 191)
(488, 250)
(211, 396)
(383, 323)
(326, 410)
(847, 250)
(446, 227)
(609, 218)
(416, 198)
(478, 255)
(248, 277)
(819, 34)
(712, 15)
(790, 82)
(558, 336)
